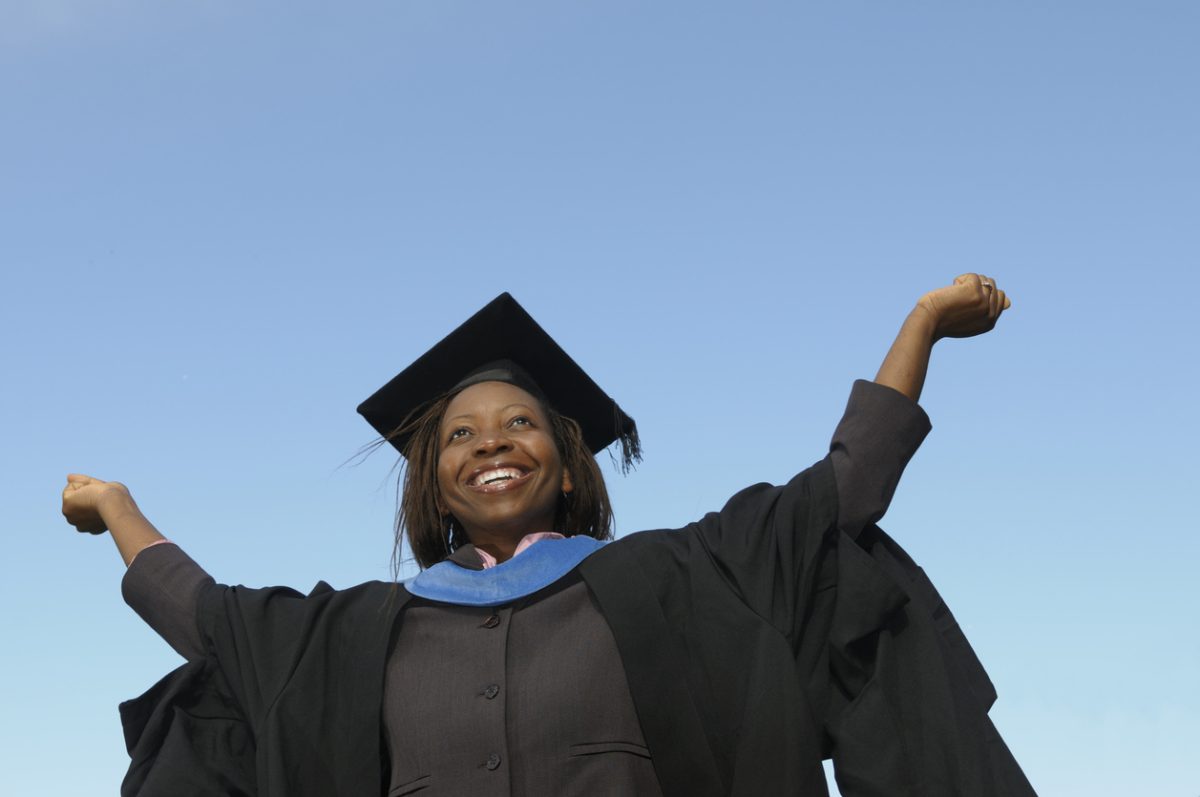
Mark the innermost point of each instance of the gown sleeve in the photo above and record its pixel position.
(897, 689)
(188, 734)
(771, 543)
(197, 730)
(252, 633)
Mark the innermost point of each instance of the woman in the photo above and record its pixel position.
(726, 657)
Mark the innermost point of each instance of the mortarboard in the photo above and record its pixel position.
(502, 342)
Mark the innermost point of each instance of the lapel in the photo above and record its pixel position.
(656, 665)
(359, 690)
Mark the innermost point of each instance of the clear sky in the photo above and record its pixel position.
(224, 224)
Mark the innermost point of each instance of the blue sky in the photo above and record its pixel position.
(222, 225)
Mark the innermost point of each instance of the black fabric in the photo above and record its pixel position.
(713, 616)
(754, 641)
(187, 738)
(912, 687)
(308, 672)
(502, 371)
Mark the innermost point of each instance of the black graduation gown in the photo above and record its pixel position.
(755, 642)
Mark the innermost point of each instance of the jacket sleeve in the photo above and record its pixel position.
(878, 434)
(162, 585)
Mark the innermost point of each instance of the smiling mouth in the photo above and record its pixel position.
(496, 479)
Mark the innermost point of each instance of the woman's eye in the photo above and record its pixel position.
(462, 431)
(520, 420)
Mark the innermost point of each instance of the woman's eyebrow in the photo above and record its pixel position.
(505, 408)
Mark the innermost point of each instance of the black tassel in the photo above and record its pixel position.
(631, 444)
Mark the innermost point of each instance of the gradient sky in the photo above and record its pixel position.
(224, 224)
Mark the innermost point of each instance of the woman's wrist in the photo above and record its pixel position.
(129, 528)
(907, 361)
(115, 502)
(924, 321)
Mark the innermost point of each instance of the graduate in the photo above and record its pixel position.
(533, 655)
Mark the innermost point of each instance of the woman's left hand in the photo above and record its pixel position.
(971, 306)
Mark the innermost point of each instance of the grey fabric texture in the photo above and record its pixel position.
(541, 679)
(161, 585)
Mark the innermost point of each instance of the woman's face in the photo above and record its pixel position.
(499, 471)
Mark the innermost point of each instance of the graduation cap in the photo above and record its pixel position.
(503, 343)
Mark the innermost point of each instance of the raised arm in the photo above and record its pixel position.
(894, 650)
(164, 584)
(971, 306)
(883, 426)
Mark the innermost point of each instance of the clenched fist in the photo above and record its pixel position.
(82, 499)
(971, 306)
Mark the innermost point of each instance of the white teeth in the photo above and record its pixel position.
(497, 475)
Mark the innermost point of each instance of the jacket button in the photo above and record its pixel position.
(491, 691)
(492, 621)
(493, 761)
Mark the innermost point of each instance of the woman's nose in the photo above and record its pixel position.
(492, 443)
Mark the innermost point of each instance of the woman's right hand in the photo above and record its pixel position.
(82, 499)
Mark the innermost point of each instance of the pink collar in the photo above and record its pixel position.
(529, 539)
